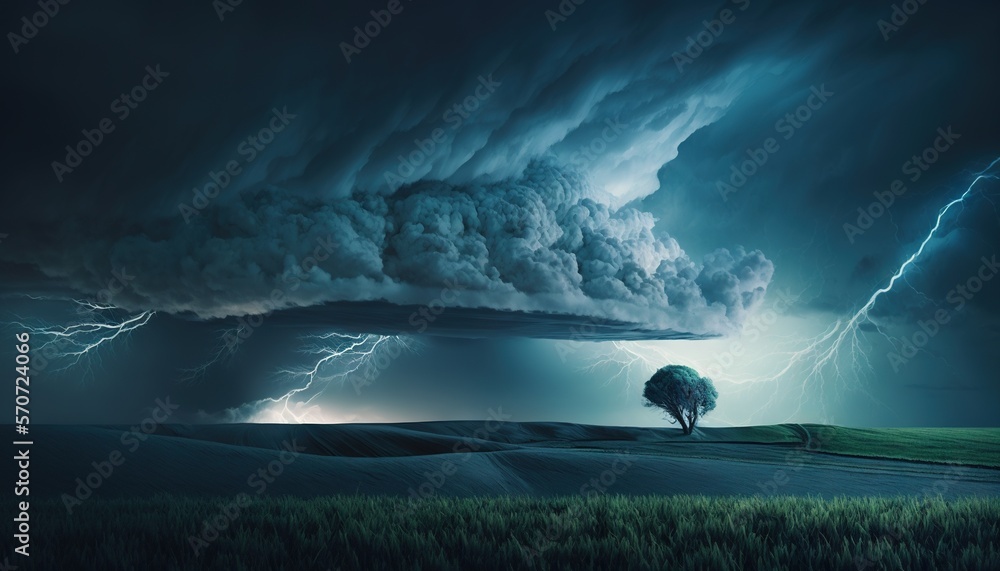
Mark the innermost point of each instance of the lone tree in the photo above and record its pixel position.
(682, 393)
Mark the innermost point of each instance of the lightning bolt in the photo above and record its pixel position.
(825, 351)
(624, 360)
(632, 361)
(100, 327)
(832, 353)
(223, 353)
(337, 357)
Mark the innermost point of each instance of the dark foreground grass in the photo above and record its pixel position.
(607, 532)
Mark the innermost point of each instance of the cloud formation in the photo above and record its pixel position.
(494, 161)
(538, 242)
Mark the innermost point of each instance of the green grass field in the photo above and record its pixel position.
(965, 446)
(968, 446)
(608, 532)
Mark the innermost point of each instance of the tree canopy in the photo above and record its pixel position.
(682, 393)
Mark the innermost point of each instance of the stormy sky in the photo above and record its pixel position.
(402, 211)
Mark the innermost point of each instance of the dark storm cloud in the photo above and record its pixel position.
(891, 100)
(495, 168)
(532, 244)
(840, 154)
(599, 104)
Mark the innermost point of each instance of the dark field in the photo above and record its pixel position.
(604, 532)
